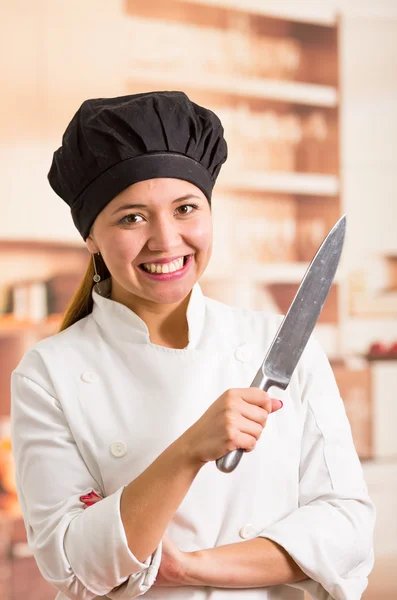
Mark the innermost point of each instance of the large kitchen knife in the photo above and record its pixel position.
(297, 325)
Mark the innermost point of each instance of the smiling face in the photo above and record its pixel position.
(154, 221)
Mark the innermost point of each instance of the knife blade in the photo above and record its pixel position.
(295, 329)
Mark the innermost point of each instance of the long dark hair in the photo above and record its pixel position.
(81, 304)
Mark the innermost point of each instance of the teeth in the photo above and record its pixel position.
(171, 267)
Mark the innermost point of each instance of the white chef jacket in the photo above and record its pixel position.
(94, 405)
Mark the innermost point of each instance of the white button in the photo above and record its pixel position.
(247, 531)
(243, 353)
(118, 449)
(89, 377)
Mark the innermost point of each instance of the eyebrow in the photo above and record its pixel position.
(132, 206)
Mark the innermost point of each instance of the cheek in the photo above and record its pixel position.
(201, 234)
(121, 250)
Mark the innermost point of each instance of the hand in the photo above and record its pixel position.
(172, 567)
(235, 420)
(90, 499)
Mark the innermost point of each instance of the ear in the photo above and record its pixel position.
(91, 245)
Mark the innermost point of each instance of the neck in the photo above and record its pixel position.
(167, 323)
(171, 333)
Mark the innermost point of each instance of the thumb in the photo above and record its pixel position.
(276, 404)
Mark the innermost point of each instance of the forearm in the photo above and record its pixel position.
(255, 563)
(150, 501)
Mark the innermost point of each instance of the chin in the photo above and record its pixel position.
(170, 294)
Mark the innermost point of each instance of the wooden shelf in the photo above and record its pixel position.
(306, 184)
(308, 94)
(315, 14)
(10, 326)
(31, 245)
(381, 357)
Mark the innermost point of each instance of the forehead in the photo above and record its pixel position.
(154, 192)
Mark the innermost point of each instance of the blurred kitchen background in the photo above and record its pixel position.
(307, 92)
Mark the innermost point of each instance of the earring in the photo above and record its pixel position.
(96, 277)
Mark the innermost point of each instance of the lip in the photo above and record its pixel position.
(168, 276)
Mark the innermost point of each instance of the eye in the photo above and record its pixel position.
(193, 206)
(130, 219)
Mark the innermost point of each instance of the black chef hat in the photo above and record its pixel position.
(112, 143)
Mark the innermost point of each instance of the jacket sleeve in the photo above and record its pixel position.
(83, 553)
(330, 534)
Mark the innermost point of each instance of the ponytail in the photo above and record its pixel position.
(81, 304)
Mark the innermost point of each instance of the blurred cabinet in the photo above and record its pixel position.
(355, 386)
(45, 78)
(274, 83)
(368, 52)
(384, 390)
(37, 281)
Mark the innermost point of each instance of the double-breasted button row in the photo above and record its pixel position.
(243, 353)
(247, 531)
(89, 377)
(118, 449)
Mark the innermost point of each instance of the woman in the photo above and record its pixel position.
(126, 409)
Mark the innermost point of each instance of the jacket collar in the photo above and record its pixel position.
(120, 321)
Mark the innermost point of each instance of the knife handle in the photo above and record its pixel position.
(229, 462)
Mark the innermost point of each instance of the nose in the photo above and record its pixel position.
(164, 235)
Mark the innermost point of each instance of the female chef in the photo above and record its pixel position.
(118, 418)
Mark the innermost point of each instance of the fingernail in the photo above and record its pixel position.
(282, 403)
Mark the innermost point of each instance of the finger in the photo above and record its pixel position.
(92, 500)
(254, 413)
(250, 427)
(87, 504)
(276, 404)
(257, 397)
(246, 442)
(264, 401)
(90, 496)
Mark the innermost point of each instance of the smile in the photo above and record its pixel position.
(167, 271)
(171, 267)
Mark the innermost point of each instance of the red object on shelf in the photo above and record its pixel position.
(378, 348)
(393, 349)
(382, 351)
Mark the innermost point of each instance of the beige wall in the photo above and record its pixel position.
(56, 55)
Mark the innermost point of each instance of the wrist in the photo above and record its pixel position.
(193, 568)
(184, 447)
